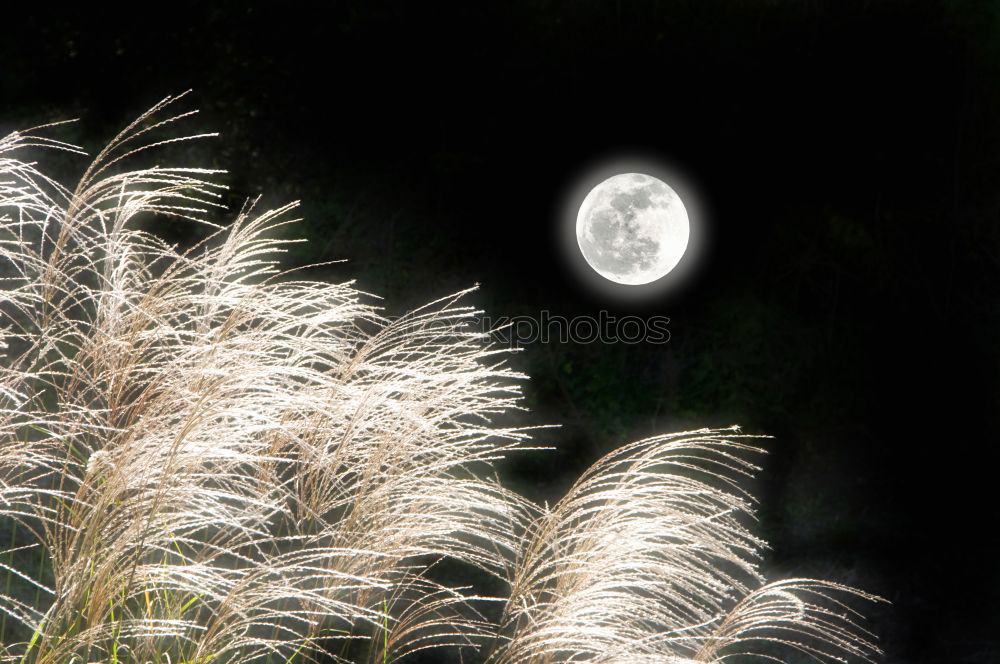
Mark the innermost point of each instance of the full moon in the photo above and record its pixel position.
(632, 229)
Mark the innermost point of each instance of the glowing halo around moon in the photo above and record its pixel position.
(632, 228)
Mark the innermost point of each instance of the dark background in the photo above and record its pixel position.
(846, 154)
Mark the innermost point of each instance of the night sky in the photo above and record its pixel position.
(845, 157)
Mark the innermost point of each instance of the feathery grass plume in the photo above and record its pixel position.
(648, 558)
(218, 464)
(204, 460)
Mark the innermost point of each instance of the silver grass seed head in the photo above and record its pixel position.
(98, 462)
